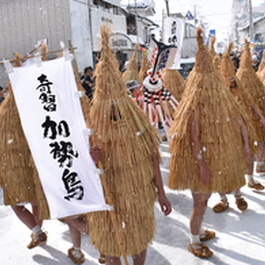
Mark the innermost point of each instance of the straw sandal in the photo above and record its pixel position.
(207, 235)
(255, 185)
(76, 256)
(221, 206)
(200, 250)
(241, 203)
(102, 258)
(37, 240)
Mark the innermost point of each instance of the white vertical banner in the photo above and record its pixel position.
(173, 33)
(47, 99)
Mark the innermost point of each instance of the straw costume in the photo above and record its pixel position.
(242, 96)
(212, 50)
(250, 81)
(220, 135)
(18, 173)
(127, 140)
(145, 65)
(173, 82)
(251, 113)
(131, 73)
(254, 86)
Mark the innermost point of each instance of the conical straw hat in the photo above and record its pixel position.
(219, 127)
(245, 100)
(212, 50)
(145, 65)
(127, 140)
(132, 73)
(249, 79)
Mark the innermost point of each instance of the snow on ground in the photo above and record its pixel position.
(240, 235)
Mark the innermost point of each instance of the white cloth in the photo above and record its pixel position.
(51, 116)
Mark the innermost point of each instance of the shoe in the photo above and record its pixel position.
(221, 206)
(37, 240)
(256, 185)
(163, 138)
(102, 259)
(241, 204)
(200, 250)
(76, 256)
(207, 235)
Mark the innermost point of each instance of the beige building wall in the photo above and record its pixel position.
(24, 22)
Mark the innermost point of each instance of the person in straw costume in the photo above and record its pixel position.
(132, 71)
(174, 83)
(262, 64)
(212, 50)
(253, 85)
(145, 65)
(253, 118)
(261, 75)
(131, 165)
(207, 150)
(18, 175)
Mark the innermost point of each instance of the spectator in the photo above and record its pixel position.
(2, 95)
(88, 81)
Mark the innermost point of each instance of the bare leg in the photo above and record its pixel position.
(75, 236)
(35, 212)
(79, 224)
(25, 216)
(140, 258)
(260, 151)
(111, 260)
(199, 207)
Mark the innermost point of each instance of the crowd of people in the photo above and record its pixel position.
(215, 134)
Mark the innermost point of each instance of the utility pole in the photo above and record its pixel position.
(136, 20)
(251, 37)
(167, 6)
(195, 15)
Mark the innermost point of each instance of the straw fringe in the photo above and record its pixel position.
(251, 82)
(18, 174)
(242, 96)
(173, 82)
(212, 50)
(145, 66)
(127, 141)
(220, 134)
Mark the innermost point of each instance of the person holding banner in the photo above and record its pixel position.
(78, 224)
(130, 159)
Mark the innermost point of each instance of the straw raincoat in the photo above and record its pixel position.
(127, 140)
(18, 175)
(253, 85)
(219, 132)
(132, 73)
(242, 96)
(173, 82)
